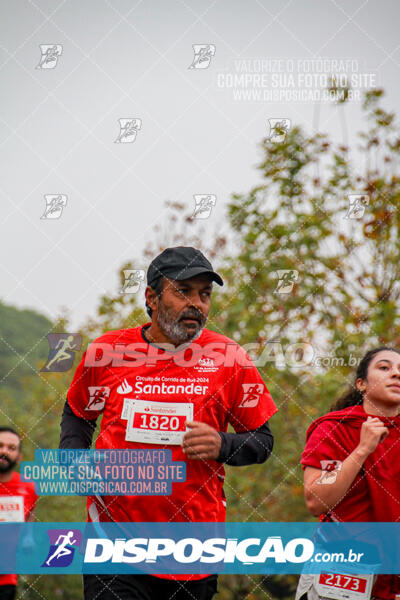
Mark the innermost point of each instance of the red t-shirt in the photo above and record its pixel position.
(17, 500)
(327, 443)
(197, 388)
(374, 494)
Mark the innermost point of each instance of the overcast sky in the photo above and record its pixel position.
(71, 70)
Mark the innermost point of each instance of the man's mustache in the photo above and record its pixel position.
(193, 314)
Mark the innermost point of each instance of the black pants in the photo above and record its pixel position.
(7, 592)
(147, 587)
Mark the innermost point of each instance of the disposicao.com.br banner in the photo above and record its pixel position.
(162, 548)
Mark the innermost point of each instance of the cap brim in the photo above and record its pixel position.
(192, 272)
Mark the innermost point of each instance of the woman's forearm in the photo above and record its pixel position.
(321, 493)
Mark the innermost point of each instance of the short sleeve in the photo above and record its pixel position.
(324, 444)
(252, 404)
(85, 397)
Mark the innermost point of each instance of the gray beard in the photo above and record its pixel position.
(174, 330)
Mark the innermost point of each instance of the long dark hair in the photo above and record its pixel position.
(353, 396)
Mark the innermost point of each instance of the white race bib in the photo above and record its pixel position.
(344, 587)
(152, 422)
(12, 509)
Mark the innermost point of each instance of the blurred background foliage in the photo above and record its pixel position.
(344, 301)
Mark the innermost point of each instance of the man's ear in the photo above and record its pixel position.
(151, 297)
(19, 458)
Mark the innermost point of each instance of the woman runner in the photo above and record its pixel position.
(351, 460)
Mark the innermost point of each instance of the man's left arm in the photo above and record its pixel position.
(248, 448)
(203, 442)
(250, 410)
(248, 413)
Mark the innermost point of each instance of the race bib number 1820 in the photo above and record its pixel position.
(156, 422)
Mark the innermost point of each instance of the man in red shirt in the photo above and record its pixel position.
(170, 384)
(17, 498)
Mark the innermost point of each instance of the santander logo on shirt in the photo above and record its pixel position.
(163, 387)
(124, 388)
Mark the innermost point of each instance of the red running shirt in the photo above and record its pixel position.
(17, 500)
(374, 494)
(191, 384)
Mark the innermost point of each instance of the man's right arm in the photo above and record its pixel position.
(75, 432)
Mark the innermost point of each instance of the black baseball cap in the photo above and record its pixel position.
(180, 263)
